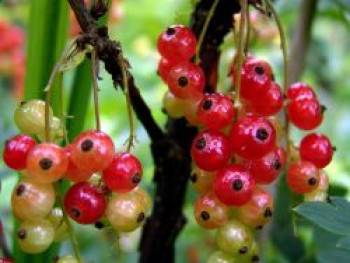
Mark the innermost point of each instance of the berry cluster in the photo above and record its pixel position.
(236, 153)
(12, 57)
(105, 189)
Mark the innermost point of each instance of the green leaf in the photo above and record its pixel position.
(333, 217)
(344, 243)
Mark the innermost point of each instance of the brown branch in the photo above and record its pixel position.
(301, 39)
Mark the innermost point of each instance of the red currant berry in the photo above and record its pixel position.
(123, 174)
(316, 148)
(210, 212)
(305, 114)
(303, 177)
(164, 67)
(215, 111)
(16, 151)
(266, 169)
(5, 260)
(177, 43)
(233, 185)
(258, 211)
(85, 203)
(300, 90)
(252, 137)
(92, 151)
(186, 80)
(271, 102)
(73, 173)
(46, 163)
(210, 150)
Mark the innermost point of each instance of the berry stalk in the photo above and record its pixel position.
(94, 68)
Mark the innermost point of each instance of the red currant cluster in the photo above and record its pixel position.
(105, 189)
(236, 152)
(12, 57)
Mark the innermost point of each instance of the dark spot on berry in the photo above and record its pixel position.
(99, 225)
(170, 31)
(75, 212)
(205, 215)
(334, 148)
(259, 70)
(20, 189)
(193, 177)
(312, 181)
(323, 108)
(200, 144)
(255, 258)
(21, 234)
(45, 163)
(182, 81)
(259, 227)
(141, 217)
(262, 134)
(23, 102)
(207, 104)
(136, 178)
(268, 212)
(237, 184)
(277, 164)
(87, 145)
(243, 250)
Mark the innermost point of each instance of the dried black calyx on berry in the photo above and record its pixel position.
(193, 177)
(200, 144)
(207, 104)
(323, 108)
(243, 250)
(99, 225)
(75, 212)
(259, 227)
(268, 212)
(136, 178)
(182, 81)
(262, 134)
(21, 234)
(205, 215)
(259, 70)
(20, 189)
(277, 164)
(312, 181)
(237, 184)
(255, 258)
(141, 217)
(170, 31)
(87, 145)
(45, 163)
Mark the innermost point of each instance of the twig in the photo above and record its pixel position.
(94, 68)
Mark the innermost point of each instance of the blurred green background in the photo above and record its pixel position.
(140, 22)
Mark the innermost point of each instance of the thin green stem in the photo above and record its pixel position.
(70, 229)
(204, 31)
(94, 63)
(130, 141)
(247, 39)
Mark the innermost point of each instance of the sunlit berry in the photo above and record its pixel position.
(300, 90)
(16, 150)
(202, 180)
(173, 106)
(85, 203)
(46, 163)
(177, 43)
(270, 103)
(164, 67)
(316, 148)
(210, 150)
(92, 151)
(216, 111)
(252, 137)
(32, 201)
(123, 174)
(234, 185)
(73, 173)
(303, 177)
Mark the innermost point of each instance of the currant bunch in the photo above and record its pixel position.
(237, 151)
(105, 188)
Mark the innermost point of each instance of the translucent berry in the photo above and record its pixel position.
(270, 103)
(202, 180)
(266, 169)
(305, 114)
(190, 110)
(234, 238)
(300, 90)
(316, 196)
(16, 150)
(32, 201)
(210, 150)
(186, 80)
(92, 151)
(35, 236)
(317, 149)
(177, 43)
(123, 174)
(73, 173)
(221, 257)
(144, 197)
(164, 67)
(126, 212)
(252, 137)
(216, 111)
(173, 106)
(46, 163)
(302, 177)
(85, 203)
(68, 259)
(210, 212)
(30, 117)
(59, 224)
(258, 211)
(234, 185)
